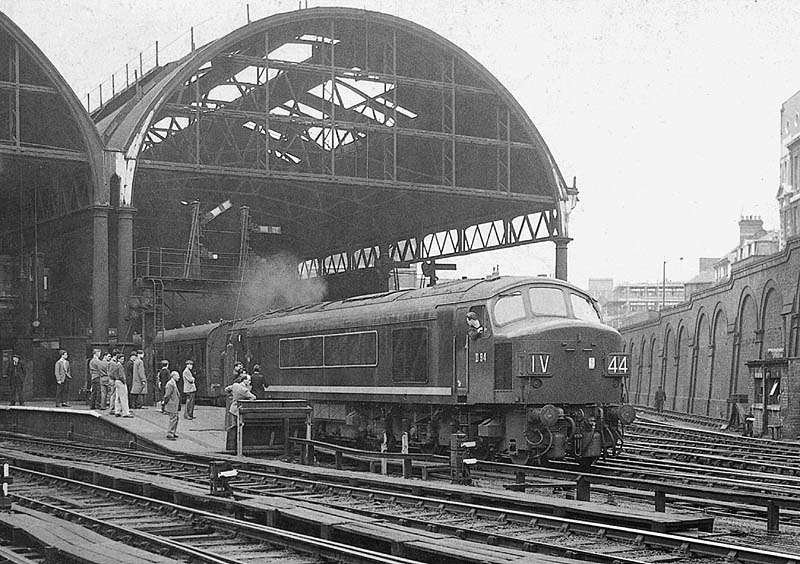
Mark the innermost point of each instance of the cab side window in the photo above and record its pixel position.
(478, 322)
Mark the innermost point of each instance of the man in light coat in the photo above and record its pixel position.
(189, 389)
(172, 404)
(63, 378)
(139, 387)
(120, 408)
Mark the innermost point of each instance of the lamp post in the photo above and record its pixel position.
(664, 282)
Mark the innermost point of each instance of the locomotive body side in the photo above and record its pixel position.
(206, 346)
(533, 384)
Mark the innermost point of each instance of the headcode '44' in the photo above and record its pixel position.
(617, 364)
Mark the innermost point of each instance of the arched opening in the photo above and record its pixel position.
(669, 380)
(702, 372)
(680, 394)
(773, 343)
(747, 348)
(665, 353)
(720, 370)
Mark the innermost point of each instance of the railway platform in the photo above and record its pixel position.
(205, 434)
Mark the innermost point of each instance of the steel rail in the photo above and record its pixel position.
(663, 541)
(288, 539)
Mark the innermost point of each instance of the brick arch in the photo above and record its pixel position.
(701, 373)
(719, 386)
(683, 370)
(794, 329)
(771, 320)
(745, 347)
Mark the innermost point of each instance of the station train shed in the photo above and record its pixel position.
(344, 141)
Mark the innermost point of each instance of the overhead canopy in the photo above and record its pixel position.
(352, 131)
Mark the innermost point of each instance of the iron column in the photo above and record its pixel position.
(100, 274)
(561, 257)
(124, 267)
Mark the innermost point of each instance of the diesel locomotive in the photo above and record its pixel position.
(524, 366)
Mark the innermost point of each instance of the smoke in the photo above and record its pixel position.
(272, 283)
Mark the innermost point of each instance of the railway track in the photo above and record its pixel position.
(513, 529)
(178, 532)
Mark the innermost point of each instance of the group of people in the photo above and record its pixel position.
(114, 384)
(119, 386)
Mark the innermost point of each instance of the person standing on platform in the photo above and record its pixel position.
(162, 379)
(139, 385)
(16, 379)
(94, 385)
(661, 397)
(258, 383)
(189, 389)
(63, 378)
(171, 404)
(238, 391)
(113, 373)
(128, 367)
(121, 408)
(106, 388)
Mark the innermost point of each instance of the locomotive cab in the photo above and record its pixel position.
(541, 375)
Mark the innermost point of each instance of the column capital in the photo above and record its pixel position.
(126, 211)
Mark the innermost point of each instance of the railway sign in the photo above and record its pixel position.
(617, 364)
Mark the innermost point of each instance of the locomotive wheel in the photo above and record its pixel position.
(521, 457)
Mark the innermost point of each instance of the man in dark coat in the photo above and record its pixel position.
(258, 383)
(163, 378)
(128, 367)
(16, 379)
(661, 397)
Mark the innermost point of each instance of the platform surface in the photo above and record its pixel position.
(205, 434)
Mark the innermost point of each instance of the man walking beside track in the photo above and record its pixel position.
(661, 397)
(63, 378)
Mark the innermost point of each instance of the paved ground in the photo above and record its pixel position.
(203, 434)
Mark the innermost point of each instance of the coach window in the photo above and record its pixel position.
(410, 355)
(548, 302)
(508, 308)
(302, 352)
(351, 349)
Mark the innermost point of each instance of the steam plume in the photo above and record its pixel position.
(272, 283)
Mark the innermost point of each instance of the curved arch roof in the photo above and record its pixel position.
(47, 141)
(43, 88)
(348, 128)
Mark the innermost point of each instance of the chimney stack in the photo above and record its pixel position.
(750, 227)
